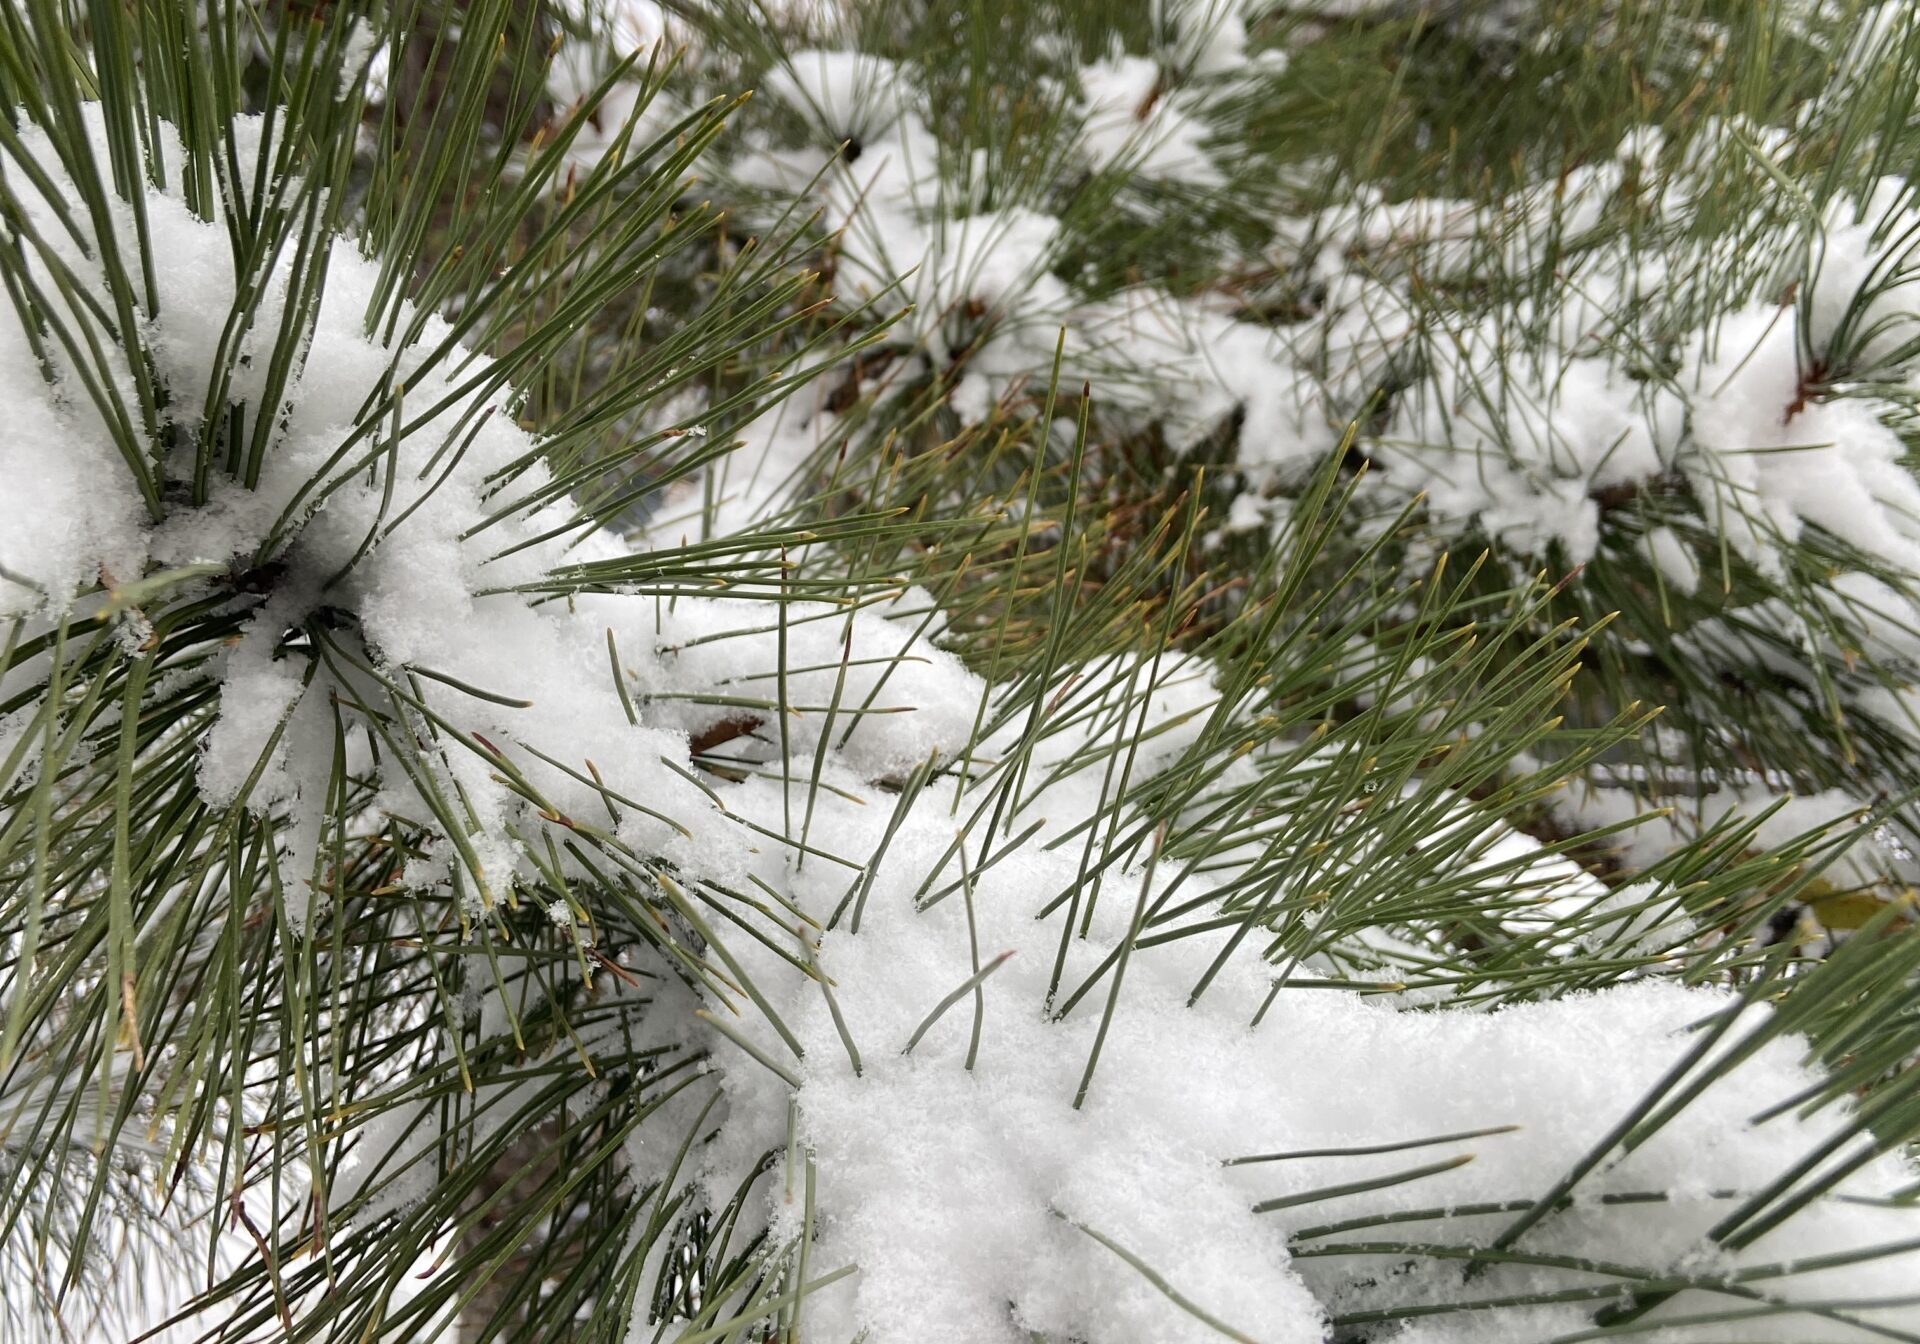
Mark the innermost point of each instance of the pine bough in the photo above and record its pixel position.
(566, 774)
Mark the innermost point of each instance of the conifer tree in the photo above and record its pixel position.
(1049, 671)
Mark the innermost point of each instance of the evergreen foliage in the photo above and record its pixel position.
(1052, 671)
